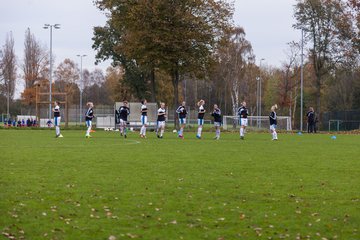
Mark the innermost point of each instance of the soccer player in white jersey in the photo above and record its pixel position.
(57, 119)
(243, 114)
(143, 118)
(217, 121)
(181, 110)
(124, 112)
(273, 122)
(161, 117)
(89, 115)
(201, 114)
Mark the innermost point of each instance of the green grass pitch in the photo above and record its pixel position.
(300, 187)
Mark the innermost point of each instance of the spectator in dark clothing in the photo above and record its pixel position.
(28, 122)
(19, 123)
(311, 120)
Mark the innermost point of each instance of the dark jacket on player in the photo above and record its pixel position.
(161, 115)
(243, 112)
(124, 113)
(181, 111)
(89, 114)
(201, 112)
(273, 118)
(217, 115)
(311, 117)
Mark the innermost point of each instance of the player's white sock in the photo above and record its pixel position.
(275, 135)
(88, 131)
(161, 132)
(57, 130)
(144, 132)
(218, 133)
(241, 132)
(181, 131)
(199, 131)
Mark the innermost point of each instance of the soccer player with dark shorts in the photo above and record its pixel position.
(243, 114)
(201, 114)
(273, 122)
(143, 118)
(89, 115)
(57, 119)
(124, 112)
(161, 117)
(181, 111)
(217, 121)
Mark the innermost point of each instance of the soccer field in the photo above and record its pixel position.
(300, 187)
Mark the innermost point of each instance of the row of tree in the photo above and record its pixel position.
(189, 50)
(194, 43)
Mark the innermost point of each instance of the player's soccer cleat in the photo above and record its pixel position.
(125, 136)
(242, 138)
(157, 136)
(181, 136)
(88, 136)
(161, 136)
(121, 134)
(216, 138)
(60, 136)
(198, 137)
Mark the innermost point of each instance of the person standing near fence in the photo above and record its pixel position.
(181, 111)
(311, 120)
(217, 121)
(88, 118)
(201, 114)
(124, 112)
(273, 122)
(161, 117)
(143, 118)
(57, 119)
(243, 114)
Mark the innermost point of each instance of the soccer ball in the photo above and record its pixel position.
(174, 131)
(106, 129)
(132, 129)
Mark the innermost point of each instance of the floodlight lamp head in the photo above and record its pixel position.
(57, 26)
(46, 26)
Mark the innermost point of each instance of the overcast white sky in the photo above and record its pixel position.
(267, 23)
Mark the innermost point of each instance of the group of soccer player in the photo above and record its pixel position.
(124, 112)
(243, 113)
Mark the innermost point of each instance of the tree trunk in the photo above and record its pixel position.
(318, 99)
(175, 80)
(153, 85)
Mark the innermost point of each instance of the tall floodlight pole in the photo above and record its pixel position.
(302, 81)
(259, 79)
(81, 84)
(49, 26)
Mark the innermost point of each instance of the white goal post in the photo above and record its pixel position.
(256, 122)
(109, 120)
